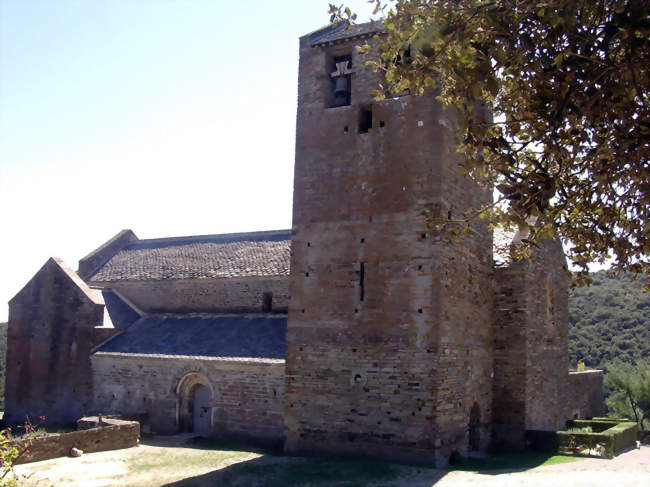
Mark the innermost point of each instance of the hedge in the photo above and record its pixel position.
(605, 442)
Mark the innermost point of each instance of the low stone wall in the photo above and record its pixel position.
(585, 394)
(115, 435)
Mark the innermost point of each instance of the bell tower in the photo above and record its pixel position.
(389, 340)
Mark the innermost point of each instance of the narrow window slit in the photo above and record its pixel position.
(362, 276)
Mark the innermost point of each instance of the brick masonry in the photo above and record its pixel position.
(246, 402)
(51, 334)
(531, 346)
(113, 436)
(585, 394)
(99, 256)
(389, 341)
(205, 295)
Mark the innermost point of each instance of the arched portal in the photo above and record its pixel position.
(194, 397)
(475, 428)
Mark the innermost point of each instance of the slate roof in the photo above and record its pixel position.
(257, 254)
(233, 336)
(341, 31)
(121, 315)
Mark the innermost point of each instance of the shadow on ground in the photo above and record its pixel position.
(272, 469)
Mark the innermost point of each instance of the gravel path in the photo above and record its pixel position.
(630, 469)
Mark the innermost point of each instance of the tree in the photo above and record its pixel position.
(568, 85)
(631, 396)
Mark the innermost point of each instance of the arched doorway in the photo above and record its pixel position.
(475, 428)
(194, 404)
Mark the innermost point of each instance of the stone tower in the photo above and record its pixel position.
(389, 341)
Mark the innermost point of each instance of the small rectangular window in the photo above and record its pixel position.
(267, 302)
(365, 120)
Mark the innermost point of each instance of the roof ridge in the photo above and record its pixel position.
(210, 237)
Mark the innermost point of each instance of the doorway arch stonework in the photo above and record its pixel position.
(194, 404)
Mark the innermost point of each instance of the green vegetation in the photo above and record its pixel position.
(512, 461)
(609, 321)
(630, 394)
(597, 438)
(303, 471)
(8, 455)
(568, 85)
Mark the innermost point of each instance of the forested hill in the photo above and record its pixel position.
(610, 319)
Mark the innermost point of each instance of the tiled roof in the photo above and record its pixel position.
(232, 336)
(258, 254)
(341, 31)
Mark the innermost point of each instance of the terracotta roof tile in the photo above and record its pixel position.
(259, 254)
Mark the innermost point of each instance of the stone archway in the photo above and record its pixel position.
(194, 397)
(474, 428)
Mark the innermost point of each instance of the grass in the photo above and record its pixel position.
(170, 461)
(44, 430)
(512, 461)
(315, 472)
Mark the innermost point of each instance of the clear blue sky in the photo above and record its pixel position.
(167, 117)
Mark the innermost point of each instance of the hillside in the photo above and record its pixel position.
(610, 319)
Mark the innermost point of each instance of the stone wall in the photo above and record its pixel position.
(464, 273)
(50, 336)
(119, 434)
(246, 402)
(389, 334)
(547, 360)
(510, 334)
(585, 395)
(204, 295)
(100, 256)
(531, 345)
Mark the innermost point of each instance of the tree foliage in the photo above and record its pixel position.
(609, 321)
(568, 85)
(8, 456)
(631, 391)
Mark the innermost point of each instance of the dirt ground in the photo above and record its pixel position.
(170, 461)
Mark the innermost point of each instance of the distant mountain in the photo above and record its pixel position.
(610, 319)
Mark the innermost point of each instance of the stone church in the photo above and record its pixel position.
(359, 331)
